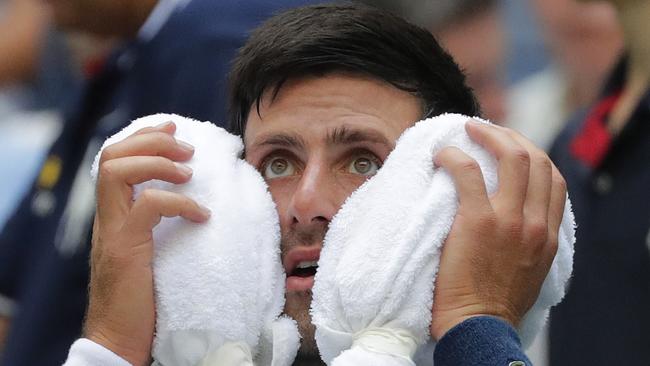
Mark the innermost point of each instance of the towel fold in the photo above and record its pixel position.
(382, 251)
(219, 286)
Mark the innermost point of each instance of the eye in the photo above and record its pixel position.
(364, 165)
(278, 167)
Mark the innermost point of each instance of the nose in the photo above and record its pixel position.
(314, 198)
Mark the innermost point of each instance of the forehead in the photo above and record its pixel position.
(313, 107)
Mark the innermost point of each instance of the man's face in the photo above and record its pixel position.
(483, 65)
(315, 143)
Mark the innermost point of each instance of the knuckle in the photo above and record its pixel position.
(147, 197)
(189, 205)
(167, 163)
(486, 220)
(107, 154)
(543, 161)
(521, 155)
(560, 182)
(163, 139)
(537, 230)
(514, 225)
(107, 169)
(469, 166)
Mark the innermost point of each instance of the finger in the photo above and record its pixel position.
(538, 195)
(154, 143)
(117, 176)
(514, 163)
(467, 177)
(154, 204)
(168, 127)
(557, 203)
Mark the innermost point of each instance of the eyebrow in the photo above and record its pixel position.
(285, 140)
(338, 136)
(346, 135)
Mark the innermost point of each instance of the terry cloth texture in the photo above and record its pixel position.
(221, 282)
(382, 250)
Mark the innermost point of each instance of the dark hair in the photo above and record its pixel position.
(349, 38)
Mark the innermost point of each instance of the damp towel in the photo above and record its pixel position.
(219, 286)
(372, 295)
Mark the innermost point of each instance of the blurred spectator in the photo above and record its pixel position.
(22, 22)
(526, 52)
(474, 34)
(31, 67)
(584, 40)
(34, 70)
(456, 24)
(174, 58)
(604, 154)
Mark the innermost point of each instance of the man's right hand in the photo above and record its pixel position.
(500, 247)
(121, 313)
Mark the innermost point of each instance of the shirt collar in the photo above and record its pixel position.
(158, 17)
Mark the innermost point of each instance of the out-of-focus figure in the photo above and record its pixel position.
(41, 75)
(473, 33)
(21, 24)
(584, 41)
(33, 64)
(604, 155)
(37, 79)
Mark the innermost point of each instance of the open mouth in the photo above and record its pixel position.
(301, 264)
(305, 269)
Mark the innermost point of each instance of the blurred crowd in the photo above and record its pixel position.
(572, 76)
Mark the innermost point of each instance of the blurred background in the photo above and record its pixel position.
(534, 64)
(535, 58)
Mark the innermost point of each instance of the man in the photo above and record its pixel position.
(320, 95)
(584, 40)
(174, 58)
(604, 153)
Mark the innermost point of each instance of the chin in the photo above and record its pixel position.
(297, 307)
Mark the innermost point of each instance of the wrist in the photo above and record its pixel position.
(120, 345)
(443, 322)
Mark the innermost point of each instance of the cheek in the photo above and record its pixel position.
(282, 192)
(349, 183)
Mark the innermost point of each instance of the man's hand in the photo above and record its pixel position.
(500, 248)
(121, 314)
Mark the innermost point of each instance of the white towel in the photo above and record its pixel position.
(372, 296)
(219, 286)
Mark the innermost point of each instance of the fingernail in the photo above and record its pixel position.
(164, 124)
(436, 164)
(185, 146)
(474, 122)
(206, 211)
(184, 168)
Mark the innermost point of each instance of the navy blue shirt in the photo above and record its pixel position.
(605, 317)
(480, 341)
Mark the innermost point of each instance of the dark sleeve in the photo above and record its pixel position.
(481, 340)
